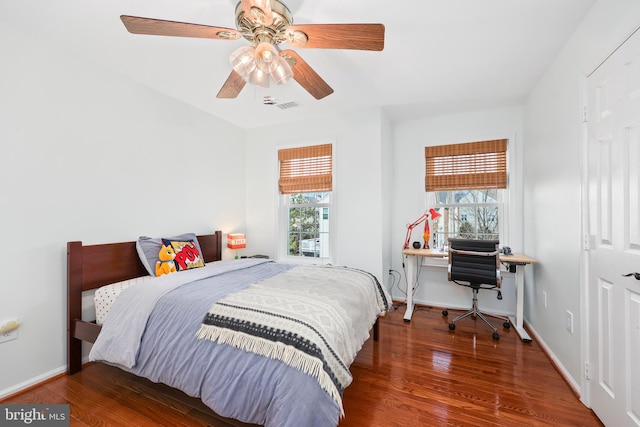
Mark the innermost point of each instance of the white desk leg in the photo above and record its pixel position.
(518, 322)
(412, 264)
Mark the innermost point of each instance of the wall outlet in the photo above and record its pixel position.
(587, 373)
(569, 321)
(544, 298)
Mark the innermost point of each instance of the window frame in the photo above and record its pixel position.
(284, 204)
(468, 149)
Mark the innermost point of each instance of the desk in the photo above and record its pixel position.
(415, 256)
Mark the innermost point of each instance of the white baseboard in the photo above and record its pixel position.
(38, 379)
(31, 382)
(563, 371)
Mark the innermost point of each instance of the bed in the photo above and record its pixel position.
(233, 333)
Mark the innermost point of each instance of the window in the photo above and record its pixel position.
(466, 183)
(305, 186)
(467, 214)
(308, 224)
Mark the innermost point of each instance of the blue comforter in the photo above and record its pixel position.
(234, 383)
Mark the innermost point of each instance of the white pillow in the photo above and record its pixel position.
(106, 295)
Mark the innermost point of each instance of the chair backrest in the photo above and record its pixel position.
(474, 261)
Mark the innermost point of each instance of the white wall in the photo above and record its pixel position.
(552, 179)
(387, 188)
(358, 174)
(409, 201)
(87, 155)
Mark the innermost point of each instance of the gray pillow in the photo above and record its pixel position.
(148, 249)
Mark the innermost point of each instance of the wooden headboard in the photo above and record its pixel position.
(92, 266)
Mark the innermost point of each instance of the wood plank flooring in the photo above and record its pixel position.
(418, 374)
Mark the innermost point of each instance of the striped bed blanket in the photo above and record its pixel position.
(313, 318)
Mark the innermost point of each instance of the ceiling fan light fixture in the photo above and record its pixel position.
(259, 78)
(243, 60)
(260, 64)
(282, 73)
(266, 56)
(267, 67)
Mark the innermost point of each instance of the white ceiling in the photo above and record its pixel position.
(439, 56)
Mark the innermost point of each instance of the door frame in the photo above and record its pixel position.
(585, 270)
(588, 237)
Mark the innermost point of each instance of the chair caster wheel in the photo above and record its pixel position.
(496, 336)
(445, 313)
(506, 325)
(452, 326)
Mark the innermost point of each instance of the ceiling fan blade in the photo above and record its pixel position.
(337, 36)
(159, 27)
(232, 87)
(306, 76)
(258, 10)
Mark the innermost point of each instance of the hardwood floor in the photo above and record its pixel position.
(418, 374)
(422, 374)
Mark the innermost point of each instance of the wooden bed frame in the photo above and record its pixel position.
(92, 266)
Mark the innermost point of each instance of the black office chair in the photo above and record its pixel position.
(476, 264)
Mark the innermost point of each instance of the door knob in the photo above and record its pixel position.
(636, 275)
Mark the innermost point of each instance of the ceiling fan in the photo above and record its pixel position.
(267, 24)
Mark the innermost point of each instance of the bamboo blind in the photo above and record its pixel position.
(305, 169)
(473, 165)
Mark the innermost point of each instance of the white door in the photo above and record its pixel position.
(614, 226)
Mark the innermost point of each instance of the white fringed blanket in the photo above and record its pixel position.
(313, 318)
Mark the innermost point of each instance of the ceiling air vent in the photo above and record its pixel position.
(271, 100)
(290, 104)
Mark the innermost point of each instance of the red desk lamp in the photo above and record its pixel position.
(431, 215)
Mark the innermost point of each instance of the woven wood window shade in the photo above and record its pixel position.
(473, 165)
(305, 169)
